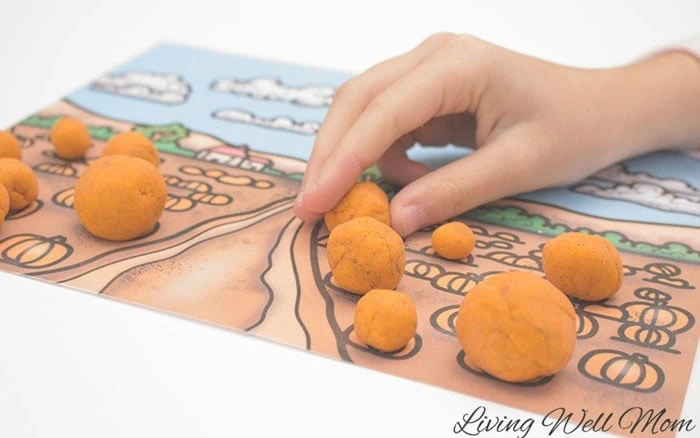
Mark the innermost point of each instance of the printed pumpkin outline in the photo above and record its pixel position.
(33, 251)
(652, 322)
(226, 178)
(412, 348)
(666, 274)
(26, 211)
(444, 320)
(634, 372)
(518, 218)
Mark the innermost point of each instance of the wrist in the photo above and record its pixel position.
(658, 100)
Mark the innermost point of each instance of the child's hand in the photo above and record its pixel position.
(533, 124)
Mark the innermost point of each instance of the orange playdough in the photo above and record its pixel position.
(120, 197)
(20, 182)
(583, 266)
(71, 138)
(9, 146)
(365, 254)
(365, 199)
(453, 241)
(134, 144)
(4, 204)
(517, 327)
(386, 319)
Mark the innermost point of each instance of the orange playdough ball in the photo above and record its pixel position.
(134, 144)
(120, 197)
(71, 138)
(365, 254)
(365, 199)
(517, 327)
(4, 204)
(9, 146)
(453, 241)
(386, 319)
(20, 182)
(583, 266)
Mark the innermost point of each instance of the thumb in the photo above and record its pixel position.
(494, 171)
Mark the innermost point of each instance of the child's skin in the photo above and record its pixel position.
(533, 124)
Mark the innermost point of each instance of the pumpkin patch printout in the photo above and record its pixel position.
(233, 135)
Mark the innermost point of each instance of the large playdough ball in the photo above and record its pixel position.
(385, 319)
(71, 138)
(517, 327)
(20, 182)
(365, 199)
(134, 144)
(583, 266)
(120, 197)
(365, 254)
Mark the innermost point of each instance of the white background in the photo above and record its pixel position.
(72, 364)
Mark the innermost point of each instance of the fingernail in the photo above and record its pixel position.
(412, 219)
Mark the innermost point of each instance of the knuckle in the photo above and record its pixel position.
(440, 37)
(455, 195)
(345, 89)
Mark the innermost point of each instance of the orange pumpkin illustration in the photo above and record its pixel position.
(664, 269)
(211, 198)
(421, 269)
(647, 336)
(444, 320)
(26, 211)
(617, 368)
(65, 198)
(587, 326)
(177, 203)
(34, 251)
(195, 186)
(350, 339)
(61, 169)
(515, 260)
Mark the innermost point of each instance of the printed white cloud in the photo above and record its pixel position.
(284, 123)
(154, 87)
(620, 175)
(649, 195)
(273, 89)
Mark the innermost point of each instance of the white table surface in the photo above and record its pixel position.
(77, 365)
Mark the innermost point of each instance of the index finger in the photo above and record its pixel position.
(433, 89)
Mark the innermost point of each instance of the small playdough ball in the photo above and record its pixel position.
(120, 197)
(454, 240)
(9, 146)
(517, 327)
(583, 266)
(365, 254)
(4, 204)
(134, 144)
(365, 199)
(71, 138)
(385, 319)
(20, 182)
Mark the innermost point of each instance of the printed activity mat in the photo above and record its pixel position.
(234, 134)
